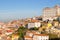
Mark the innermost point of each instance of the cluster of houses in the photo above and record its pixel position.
(47, 22)
(35, 35)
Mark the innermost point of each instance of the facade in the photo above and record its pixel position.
(40, 37)
(50, 13)
(31, 33)
(34, 24)
(34, 35)
(8, 32)
(27, 38)
(56, 23)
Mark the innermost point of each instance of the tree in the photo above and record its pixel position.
(34, 28)
(21, 32)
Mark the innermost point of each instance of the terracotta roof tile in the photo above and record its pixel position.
(41, 34)
(27, 37)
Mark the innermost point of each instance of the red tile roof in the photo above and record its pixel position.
(41, 34)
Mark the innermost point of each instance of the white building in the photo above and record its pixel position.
(51, 13)
(34, 24)
(31, 33)
(34, 35)
(40, 37)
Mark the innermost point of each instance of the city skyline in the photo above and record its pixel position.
(17, 9)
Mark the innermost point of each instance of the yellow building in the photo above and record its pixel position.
(49, 25)
(42, 28)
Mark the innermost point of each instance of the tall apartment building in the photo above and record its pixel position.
(50, 13)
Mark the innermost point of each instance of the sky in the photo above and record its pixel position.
(20, 9)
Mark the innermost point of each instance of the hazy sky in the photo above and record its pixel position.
(17, 9)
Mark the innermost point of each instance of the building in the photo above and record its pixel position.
(1, 24)
(34, 35)
(55, 23)
(8, 38)
(40, 37)
(33, 24)
(28, 38)
(31, 33)
(8, 31)
(51, 13)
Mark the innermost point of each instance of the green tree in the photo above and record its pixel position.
(21, 32)
(34, 28)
